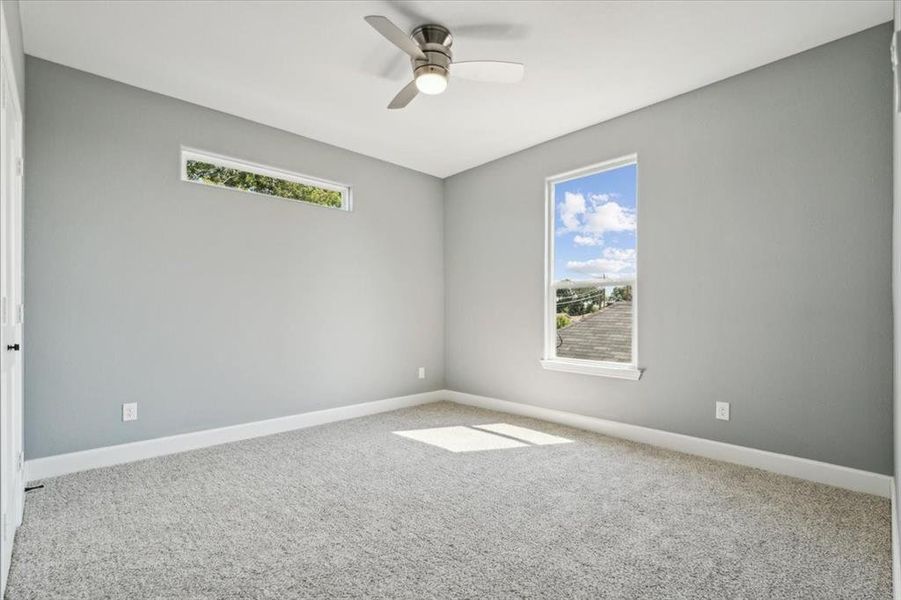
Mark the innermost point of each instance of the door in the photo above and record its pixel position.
(896, 291)
(11, 317)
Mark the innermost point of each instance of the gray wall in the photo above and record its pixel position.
(765, 225)
(764, 261)
(13, 19)
(210, 307)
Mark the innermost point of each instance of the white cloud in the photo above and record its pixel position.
(571, 211)
(587, 240)
(593, 217)
(610, 216)
(627, 254)
(613, 262)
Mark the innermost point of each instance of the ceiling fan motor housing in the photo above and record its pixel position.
(429, 47)
(435, 42)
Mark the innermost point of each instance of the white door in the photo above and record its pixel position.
(896, 290)
(11, 316)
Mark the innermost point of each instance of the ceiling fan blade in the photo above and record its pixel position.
(395, 35)
(482, 31)
(491, 31)
(405, 9)
(405, 96)
(493, 71)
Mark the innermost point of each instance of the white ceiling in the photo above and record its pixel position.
(317, 69)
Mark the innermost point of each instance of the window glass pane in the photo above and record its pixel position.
(595, 237)
(209, 173)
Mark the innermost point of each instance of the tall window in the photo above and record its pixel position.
(592, 274)
(221, 171)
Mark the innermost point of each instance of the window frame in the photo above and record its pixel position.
(550, 360)
(188, 153)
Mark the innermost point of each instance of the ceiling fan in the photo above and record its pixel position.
(432, 60)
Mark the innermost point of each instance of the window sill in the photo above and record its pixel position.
(587, 367)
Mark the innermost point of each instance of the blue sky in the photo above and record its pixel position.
(595, 222)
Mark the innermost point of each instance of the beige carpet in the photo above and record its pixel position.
(352, 510)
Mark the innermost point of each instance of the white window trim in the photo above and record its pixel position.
(228, 162)
(550, 360)
(592, 367)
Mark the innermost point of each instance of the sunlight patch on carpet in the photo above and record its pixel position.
(475, 438)
(539, 438)
(461, 439)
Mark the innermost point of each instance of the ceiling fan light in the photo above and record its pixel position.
(431, 83)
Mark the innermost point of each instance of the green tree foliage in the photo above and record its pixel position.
(580, 301)
(622, 294)
(253, 182)
(563, 320)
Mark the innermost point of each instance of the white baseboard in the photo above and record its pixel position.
(802, 468)
(820, 472)
(61, 464)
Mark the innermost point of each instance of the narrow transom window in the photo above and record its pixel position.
(592, 274)
(207, 168)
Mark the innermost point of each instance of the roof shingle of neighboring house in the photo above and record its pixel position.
(605, 335)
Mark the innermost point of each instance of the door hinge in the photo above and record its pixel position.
(20, 165)
(21, 461)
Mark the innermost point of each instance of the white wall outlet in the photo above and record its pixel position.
(422, 372)
(722, 411)
(130, 411)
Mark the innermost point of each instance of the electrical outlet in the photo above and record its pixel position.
(722, 411)
(130, 411)
(422, 372)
